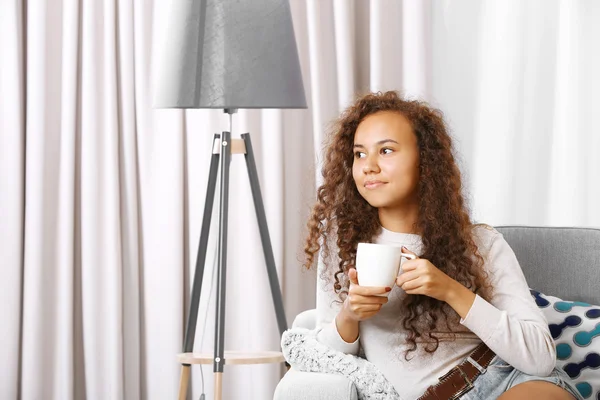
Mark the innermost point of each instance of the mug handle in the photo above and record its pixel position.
(407, 256)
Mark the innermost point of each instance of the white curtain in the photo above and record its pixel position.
(519, 83)
(101, 196)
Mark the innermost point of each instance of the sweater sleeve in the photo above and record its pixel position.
(511, 324)
(328, 306)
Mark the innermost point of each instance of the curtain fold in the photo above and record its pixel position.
(102, 196)
(516, 83)
(12, 192)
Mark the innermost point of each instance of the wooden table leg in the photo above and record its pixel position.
(183, 381)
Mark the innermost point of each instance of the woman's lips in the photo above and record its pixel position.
(373, 184)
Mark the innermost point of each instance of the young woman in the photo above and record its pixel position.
(460, 322)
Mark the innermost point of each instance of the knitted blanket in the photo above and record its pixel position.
(303, 352)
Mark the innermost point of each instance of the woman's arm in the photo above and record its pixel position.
(460, 298)
(361, 303)
(346, 327)
(511, 324)
(333, 333)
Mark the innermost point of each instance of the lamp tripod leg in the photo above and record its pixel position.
(183, 381)
(264, 235)
(218, 385)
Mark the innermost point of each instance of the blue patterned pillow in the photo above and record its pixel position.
(575, 327)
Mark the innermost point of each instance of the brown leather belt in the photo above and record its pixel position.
(459, 380)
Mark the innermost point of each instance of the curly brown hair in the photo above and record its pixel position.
(443, 221)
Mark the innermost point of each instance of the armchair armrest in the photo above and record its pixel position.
(297, 385)
(306, 319)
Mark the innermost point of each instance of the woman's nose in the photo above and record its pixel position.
(370, 166)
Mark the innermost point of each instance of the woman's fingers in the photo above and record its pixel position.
(353, 276)
(364, 290)
(362, 309)
(364, 301)
(406, 277)
(405, 250)
(369, 290)
(359, 299)
(411, 285)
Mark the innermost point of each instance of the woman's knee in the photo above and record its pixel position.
(536, 390)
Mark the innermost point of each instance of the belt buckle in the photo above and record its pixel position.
(467, 381)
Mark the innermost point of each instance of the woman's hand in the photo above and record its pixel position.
(362, 302)
(422, 277)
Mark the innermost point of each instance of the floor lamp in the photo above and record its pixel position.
(228, 54)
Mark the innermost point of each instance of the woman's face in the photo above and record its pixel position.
(386, 160)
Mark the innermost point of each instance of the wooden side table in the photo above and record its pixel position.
(231, 358)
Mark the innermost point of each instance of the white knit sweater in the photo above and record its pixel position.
(510, 324)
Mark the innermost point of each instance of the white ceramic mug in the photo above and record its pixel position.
(379, 264)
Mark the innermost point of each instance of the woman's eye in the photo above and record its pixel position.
(359, 154)
(386, 150)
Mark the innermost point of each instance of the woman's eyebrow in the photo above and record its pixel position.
(384, 141)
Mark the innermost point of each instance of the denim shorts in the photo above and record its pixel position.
(500, 376)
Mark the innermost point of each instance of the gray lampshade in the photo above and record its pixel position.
(229, 54)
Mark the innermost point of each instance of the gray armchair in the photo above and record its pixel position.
(563, 262)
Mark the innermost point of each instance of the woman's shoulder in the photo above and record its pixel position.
(484, 236)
